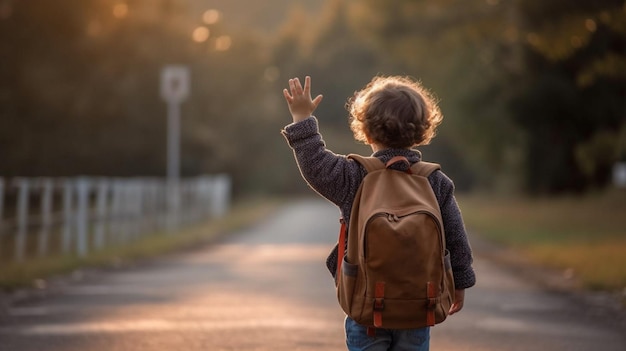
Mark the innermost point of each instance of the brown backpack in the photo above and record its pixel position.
(396, 273)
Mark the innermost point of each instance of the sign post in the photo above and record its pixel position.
(174, 90)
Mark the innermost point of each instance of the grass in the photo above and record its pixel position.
(585, 236)
(14, 276)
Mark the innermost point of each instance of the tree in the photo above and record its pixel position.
(571, 100)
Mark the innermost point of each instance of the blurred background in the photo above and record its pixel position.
(533, 95)
(533, 92)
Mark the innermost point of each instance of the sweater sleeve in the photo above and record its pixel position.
(329, 174)
(456, 236)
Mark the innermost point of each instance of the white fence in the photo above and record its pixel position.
(45, 216)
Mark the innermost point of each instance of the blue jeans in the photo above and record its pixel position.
(386, 339)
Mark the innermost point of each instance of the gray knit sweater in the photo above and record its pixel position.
(337, 179)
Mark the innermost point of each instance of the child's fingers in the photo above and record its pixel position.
(317, 100)
(307, 85)
(287, 95)
(456, 307)
(292, 86)
(295, 88)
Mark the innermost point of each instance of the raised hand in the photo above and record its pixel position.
(299, 99)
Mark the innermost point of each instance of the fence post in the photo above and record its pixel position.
(46, 209)
(173, 207)
(151, 205)
(120, 204)
(183, 202)
(220, 196)
(125, 206)
(23, 185)
(207, 190)
(101, 213)
(131, 210)
(164, 214)
(194, 207)
(115, 211)
(139, 213)
(82, 188)
(68, 215)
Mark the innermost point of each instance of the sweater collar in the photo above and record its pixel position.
(387, 154)
(412, 155)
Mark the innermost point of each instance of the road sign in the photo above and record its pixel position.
(175, 83)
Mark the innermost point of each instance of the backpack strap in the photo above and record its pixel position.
(370, 163)
(341, 247)
(424, 168)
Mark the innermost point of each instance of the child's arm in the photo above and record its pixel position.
(329, 174)
(300, 103)
(456, 238)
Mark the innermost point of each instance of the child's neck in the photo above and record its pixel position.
(377, 147)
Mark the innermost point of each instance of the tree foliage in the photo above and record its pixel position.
(572, 96)
(80, 88)
(528, 85)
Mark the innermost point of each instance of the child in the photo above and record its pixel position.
(392, 115)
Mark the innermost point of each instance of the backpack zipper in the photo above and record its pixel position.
(392, 217)
(378, 214)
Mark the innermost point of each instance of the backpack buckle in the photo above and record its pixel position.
(379, 304)
(379, 296)
(432, 303)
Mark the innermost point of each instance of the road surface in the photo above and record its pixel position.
(267, 288)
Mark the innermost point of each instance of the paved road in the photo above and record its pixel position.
(267, 288)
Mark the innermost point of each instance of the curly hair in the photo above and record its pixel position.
(395, 112)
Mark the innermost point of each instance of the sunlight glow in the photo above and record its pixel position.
(120, 10)
(605, 17)
(223, 43)
(211, 16)
(200, 34)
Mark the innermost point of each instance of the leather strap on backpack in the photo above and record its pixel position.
(379, 304)
(397, 159)
(432, 292)
(341, 247)
(370, 163)
(424, 169)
